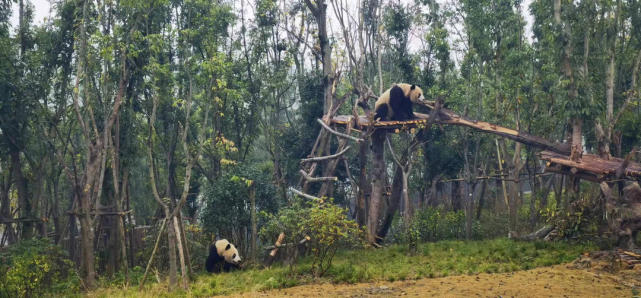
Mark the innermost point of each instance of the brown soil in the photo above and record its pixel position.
(556, 281)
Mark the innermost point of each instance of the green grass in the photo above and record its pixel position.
(389, 264)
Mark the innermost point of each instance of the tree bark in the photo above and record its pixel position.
(24, 201)
(181, 253)
(254, 223)
(364, 189)
(379, 181)
(394, 202)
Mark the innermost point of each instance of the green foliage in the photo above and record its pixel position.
(326, 224)
(287, 220)
(432, 224)
(36, 267)
(227, 199)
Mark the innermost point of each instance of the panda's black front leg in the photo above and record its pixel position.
(405, 111)
(410, 111)
(381, 113)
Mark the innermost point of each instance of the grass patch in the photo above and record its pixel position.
(392, 263)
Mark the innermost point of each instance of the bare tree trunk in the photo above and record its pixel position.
(185, 244)
(183, 268)
(86, 223)
(468, 197)
(394, 202)
(364, 189)
(5, 206)
(609, 84)
(254, 240)
(171, 246)
(557, 11)
(379, 181)
(23, 196)
(408, 210)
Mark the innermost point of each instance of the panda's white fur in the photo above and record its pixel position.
(228, 251)
(396, 102)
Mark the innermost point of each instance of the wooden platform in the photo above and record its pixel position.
(364, 122)
(590, 167)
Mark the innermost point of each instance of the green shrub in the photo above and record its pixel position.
(329, 227)
(326, 225)
(35, 267)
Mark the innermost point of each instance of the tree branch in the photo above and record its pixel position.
(320, 158)
(300, 193)
(339, 134)
(316, 179)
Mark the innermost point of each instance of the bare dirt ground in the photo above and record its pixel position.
(556, 281)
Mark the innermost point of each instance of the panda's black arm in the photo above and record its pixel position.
(381, 112)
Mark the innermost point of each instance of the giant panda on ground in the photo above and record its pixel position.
(222, 256)
(396, 103)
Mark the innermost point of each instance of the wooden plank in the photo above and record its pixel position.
(590, 163)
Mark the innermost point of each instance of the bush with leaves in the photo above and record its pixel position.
(325, 223)
(35, 267)
(329, 227)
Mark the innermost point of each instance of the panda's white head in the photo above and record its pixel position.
(416, 93)
(228, 251)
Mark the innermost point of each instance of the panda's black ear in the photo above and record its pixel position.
(228, 246)
(413, 86)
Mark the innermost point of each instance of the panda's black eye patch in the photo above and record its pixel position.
(233, 256)
(228, 247)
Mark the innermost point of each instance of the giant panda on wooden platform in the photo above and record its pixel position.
(223, 256)
(396, 103)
